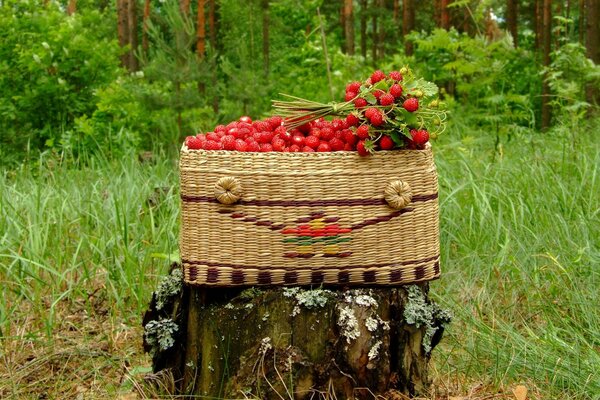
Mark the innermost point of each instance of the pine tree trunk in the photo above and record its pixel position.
(72, 7)
(581, 20)
(547, 40)
(123, 29)
(445, 15)
(408, 24)
(374, 35)
(592, 45)
(296, 343)
(511, 20)
(145, 21)
(133, 34)
(539, 26)
(349, 26)
(200, 31)
(363, 28)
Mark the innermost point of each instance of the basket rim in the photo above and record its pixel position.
(328, 154)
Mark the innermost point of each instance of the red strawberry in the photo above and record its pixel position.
(294, 148)
(419, 137)
(376, 118)
(278, 144)
(315, 132)
(261, 126)
(386, 143)
(360, 103)
(349, 96)
(307, 149)
(326, 134)
(266, 137)
(280, 130)
(212, 145)
(323, 147)
(378, 93)
(396, 90)
(377, 76)
(386, 99)
(349, 147)
(395, 75)
(220, 128)
(213, 136)
(246, 119)
(360, 147)
(362, 132)
(201, 137)
(336, 144)
(353, 87)
(266, 147)
(352, 120)
(253, 146)
(337, 124)
(350, 138)
(298, 140)
(312, 142)
(228, 142)
(274, 121)
(411, 105)
(370, 111)
(240, 145)
(193, 143)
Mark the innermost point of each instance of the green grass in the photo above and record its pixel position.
(520, 248)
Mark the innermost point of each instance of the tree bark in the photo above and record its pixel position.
(184, 6)
(145, 21)
(123, 29)
(349, 26)
(511, 20)
(133, 34)
(363, 28)
(200, 31)
(408, 24)
(581, 20)
(296, 343)
(445, 15)
(396, 12)
(592, 44)
(72, 7)
(539, 26)
(547, 40)
(374, 35)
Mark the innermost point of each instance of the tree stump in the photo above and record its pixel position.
(294, 343)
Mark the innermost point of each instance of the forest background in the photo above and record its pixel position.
(97, 96)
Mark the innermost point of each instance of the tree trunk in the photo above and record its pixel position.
(133, 34)
(408, 24)
(396, 12)
(265, 37)
(200, 31)
(374, 36)
(547, 39)
(145, 21)
(72, 7)
(123, 29)
(445, 15)
(539, 26)
(511, 20)
(349, 27)
(296, 343)
(184, 6)
(592, 44)
(363, 28)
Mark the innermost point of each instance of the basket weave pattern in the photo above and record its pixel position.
(309, 218)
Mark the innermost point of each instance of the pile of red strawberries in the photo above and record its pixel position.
(358, 131)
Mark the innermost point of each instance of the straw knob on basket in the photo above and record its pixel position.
(398, 194)
(228, 190)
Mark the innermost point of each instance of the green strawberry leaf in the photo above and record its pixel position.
(395, 135)
(371, 99)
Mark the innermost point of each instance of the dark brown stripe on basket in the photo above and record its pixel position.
(212, 275)
(419, 272)
(307, 203)
(238, 276)
(436, 268)
(317, 277)
(396, 275)
(369, 276)
(193, 272)
(343, 277)
(264, 277)
(290, 277)
(235, 266)
(382, 218)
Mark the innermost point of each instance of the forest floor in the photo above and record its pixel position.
(83, 246)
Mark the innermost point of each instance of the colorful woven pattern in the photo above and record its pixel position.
(309, 218)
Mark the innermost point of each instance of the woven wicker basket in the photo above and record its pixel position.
(309, 218)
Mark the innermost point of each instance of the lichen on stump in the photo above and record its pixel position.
(297, 342)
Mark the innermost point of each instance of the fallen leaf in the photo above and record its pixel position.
(520, 392)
